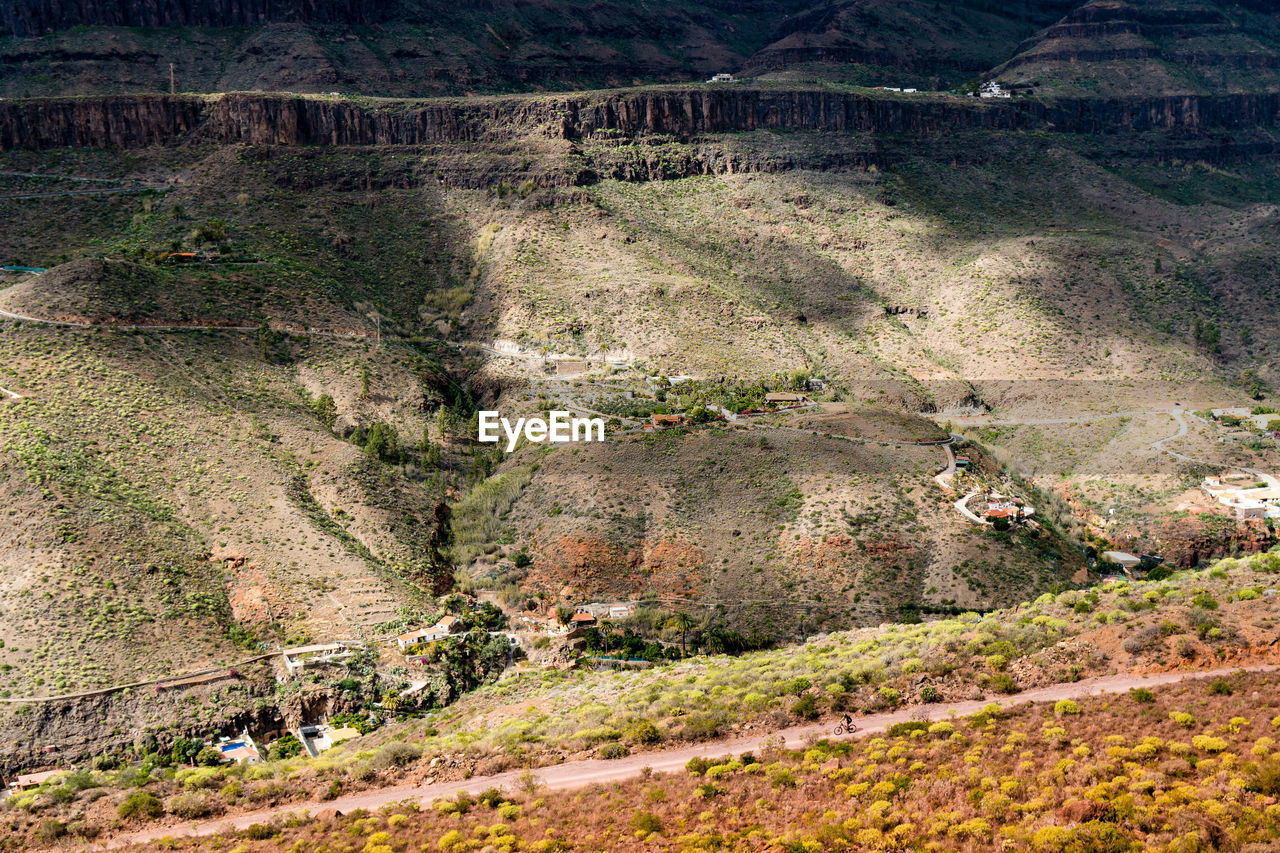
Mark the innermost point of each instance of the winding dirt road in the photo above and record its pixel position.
(577, 774)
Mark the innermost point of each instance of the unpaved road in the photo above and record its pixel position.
(962, 507)
(944, 477)
(576, 774)
(1270, 479)
(177, 327)
(1178, 415)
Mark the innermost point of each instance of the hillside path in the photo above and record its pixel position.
(944, 477)
(1271, 480)
(962, 507)
(1178, 415)
(183, 327)
(577, 774)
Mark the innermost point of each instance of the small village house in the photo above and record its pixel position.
(446, 626)
(300, 657)
(27, 781)
(657, 421)
(318, 739)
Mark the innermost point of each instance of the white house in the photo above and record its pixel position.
(446, 626)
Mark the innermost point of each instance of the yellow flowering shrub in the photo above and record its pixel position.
(1208, 743)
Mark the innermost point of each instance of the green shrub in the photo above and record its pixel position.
(1004, 683)
(644, 732)
(1221, 687)
(930, 694)
(646, 822)
(395, 754)
(806, 707)
(796, 686)
(49, 830)
(1142, 695)
(1264, 778)
(1205, 600)
(260, 832)
(904, 729)
(142, 803)
(700, 727)
(612, 750)
(193, 805)
(697, 765)
(1064, 707)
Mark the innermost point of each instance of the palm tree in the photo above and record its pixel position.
(684, 622)
(605, 629)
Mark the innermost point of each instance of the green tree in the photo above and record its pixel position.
(185, 750)
(382, 442)
(326, 410)
(208, 756)
(284, 747)
(684, 624)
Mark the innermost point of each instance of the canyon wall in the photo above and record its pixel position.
(139, 121)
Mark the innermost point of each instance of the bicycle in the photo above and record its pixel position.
(841, 729)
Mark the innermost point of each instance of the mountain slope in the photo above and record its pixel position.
(1112, 48)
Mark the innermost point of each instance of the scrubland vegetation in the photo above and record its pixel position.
(1182, 768)
(1207, 619)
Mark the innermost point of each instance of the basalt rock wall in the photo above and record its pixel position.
(140, 121)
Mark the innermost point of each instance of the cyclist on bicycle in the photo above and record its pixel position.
(848, 722)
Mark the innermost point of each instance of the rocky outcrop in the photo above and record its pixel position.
(682, 114)
(68, 732)
(111, 122)
(34, 17)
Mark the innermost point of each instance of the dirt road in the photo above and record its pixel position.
(962, 507)
(944, 477)
(1270, 479)
(178, 327)
(576, 774)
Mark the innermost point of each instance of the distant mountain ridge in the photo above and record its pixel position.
(37, 17)
(414, 48)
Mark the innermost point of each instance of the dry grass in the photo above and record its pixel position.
(1111, 774)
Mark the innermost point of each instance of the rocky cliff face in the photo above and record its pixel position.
(34, 17)
(119, 122)
(131, 122)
